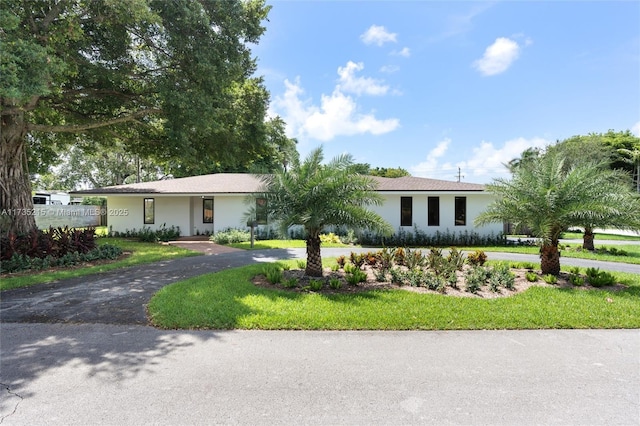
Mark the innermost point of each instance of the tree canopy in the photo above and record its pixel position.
(172, 80)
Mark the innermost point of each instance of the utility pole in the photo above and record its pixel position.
(459, 176)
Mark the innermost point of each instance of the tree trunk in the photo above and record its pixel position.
(550, 259)
(314, 259)
(587, 239)
(16, 201)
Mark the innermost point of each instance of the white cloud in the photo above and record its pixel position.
(430, 167)
(636, 129)
(348, 82)
(389, 69)
(337, 115)
(498, 57)
(405, 52)
(377, 34)
(488, 160)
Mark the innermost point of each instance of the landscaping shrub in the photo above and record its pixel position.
(475, 278)
(274, 274)
(598, 278)
(550, 279)
(290, 283)
(477, 258)
(335, 283)
(20, 262)
(419, 238)
(531, 276)
(148, 235)
(231, 236)
(356, 276)
(55, 242)
(330, 238)
(315, 285)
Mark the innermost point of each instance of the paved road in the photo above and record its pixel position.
(96, 374)
(120, 296)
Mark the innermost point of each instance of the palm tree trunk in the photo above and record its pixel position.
(587, 239)
(550, 259)
(314, 259)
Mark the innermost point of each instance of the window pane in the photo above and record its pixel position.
(433, 211)
(261, 211)
(207, 210)
(406, 211)
(461, 211)
(149, 211)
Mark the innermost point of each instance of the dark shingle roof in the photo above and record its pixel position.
(244, 183)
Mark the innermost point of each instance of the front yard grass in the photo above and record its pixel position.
(283, 244)
(633, 252)
(228, 300)
(139, 253)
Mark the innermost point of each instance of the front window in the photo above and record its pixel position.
(149, 211)
(207, 210)
(406, 211)
(461, 211)
(261, 211)
(433, 211)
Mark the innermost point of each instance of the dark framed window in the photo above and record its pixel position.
(433, 211)
(461, 211)
(406, 211)
(149, 211)
(261, 211)
(207, 210)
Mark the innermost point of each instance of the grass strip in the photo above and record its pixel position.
(140, 253)
(228, 300)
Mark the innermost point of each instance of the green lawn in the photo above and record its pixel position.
(140, 253)
(228, 300)
(632, 250)
(282, 244)
(613, 237)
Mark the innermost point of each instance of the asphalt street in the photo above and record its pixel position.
(96, 374)
(78, 352)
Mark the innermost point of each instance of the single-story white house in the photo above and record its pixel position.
(211, 203)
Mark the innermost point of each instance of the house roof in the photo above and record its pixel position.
(411, 183)
(244, 183)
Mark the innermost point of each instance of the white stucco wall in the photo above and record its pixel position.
(476, 203)
(126, 212)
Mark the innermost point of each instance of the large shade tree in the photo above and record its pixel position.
(316, 195)
(548, 198)
(173, 79)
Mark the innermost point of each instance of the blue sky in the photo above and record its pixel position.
(433, 86)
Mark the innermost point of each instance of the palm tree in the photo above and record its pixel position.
(315, 196)
(549, 198)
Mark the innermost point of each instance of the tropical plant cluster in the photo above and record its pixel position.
(40, 249)
(148, 235)
(406, 267)
(419, 238)
(21, 262)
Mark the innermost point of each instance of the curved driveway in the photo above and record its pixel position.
(120, 296)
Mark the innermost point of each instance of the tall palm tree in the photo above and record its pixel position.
(549, 198)
(315, 195)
